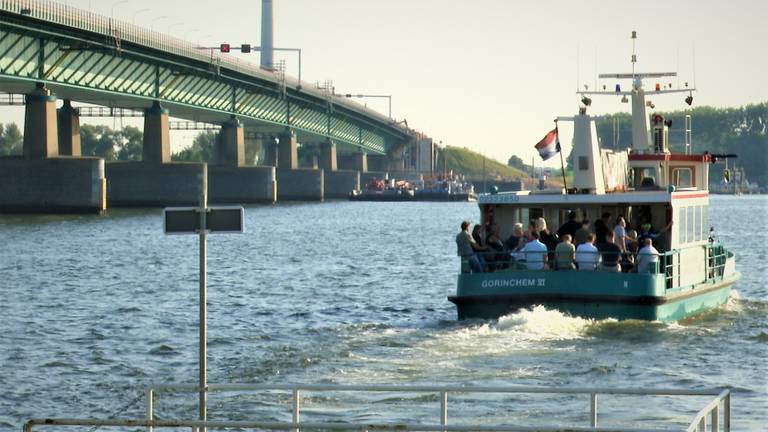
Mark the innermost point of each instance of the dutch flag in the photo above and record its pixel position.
(549, 145)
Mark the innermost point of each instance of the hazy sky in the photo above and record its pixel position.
(490, 75)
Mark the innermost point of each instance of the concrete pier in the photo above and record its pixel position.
(157, 136)
(54, 185)
(242, 185)
(41, 139)
(339, 184)
(301, 184)
(69, 130)
(361, 162)
(142, 184)
(287, 154)
(230, 145)
(327, 159)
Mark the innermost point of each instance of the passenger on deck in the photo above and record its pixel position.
(632, 245)
(610, 254)
(581, 234)
(516, 241)
(620, 233)
(494, 243)
(565, 253)
(587, 255)
(467, 248)
(647, 257)
(477, 234)
(535, 253)
(549, 239)
(601, 229)
(569, 227)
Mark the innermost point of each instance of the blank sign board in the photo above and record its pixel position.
(219, 219)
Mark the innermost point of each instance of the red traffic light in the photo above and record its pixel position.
(246, 48)
(224, 48)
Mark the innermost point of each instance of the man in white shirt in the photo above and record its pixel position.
(535, 253)
(587, 256)
(647, 257)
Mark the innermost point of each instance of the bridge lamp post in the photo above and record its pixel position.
(135, 14)
(388, 97)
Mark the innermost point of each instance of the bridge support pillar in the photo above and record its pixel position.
(327, 159)
(230, 147)
(40, 130)
(361, 162)
(157, 137)
(288, 155)
(69, 130)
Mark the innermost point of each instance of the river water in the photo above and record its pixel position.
(95, 309)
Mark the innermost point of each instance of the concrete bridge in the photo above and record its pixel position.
(50, 51)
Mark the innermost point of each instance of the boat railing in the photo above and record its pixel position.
(708, 418)
(668, 263)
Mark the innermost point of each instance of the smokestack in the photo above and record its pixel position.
(267, 35)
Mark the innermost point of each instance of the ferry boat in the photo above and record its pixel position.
(647, 184)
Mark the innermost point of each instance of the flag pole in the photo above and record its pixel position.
(562, 164)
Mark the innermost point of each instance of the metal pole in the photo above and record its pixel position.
(150, 408)
(203, 296)
(593, 410)
(296, 408)
(443, 408)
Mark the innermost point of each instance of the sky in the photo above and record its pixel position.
(489, 75)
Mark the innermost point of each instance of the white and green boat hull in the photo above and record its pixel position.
(595, 295)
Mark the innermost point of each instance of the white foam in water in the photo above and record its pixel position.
(521, 330)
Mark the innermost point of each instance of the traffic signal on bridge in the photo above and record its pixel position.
(224, 48)
(245, 48)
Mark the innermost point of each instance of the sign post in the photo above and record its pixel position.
(202, 220)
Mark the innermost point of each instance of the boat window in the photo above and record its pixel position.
(681, 228)
(647, 177)
(583, 163)
(689, 224)
(683, 177)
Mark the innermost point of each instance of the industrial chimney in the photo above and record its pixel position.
(267, 36)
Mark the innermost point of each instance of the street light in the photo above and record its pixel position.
(388, 97)
(133, 20)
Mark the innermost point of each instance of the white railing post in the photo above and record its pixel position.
(296, 408)
(443, 408)
(150, 407)
(715, 421)
(593, 409)
(703, 424)
(727, 413)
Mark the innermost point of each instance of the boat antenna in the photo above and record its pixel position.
(634, 55)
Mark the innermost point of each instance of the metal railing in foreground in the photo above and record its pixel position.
(699, 423)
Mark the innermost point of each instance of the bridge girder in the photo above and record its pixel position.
(83, 66)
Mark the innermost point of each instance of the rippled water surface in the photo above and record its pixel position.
(95, 309)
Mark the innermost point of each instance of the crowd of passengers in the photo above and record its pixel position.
(608, 245)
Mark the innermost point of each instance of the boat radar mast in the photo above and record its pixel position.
(641, 142)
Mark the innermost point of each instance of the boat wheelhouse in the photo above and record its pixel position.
(651, 187)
